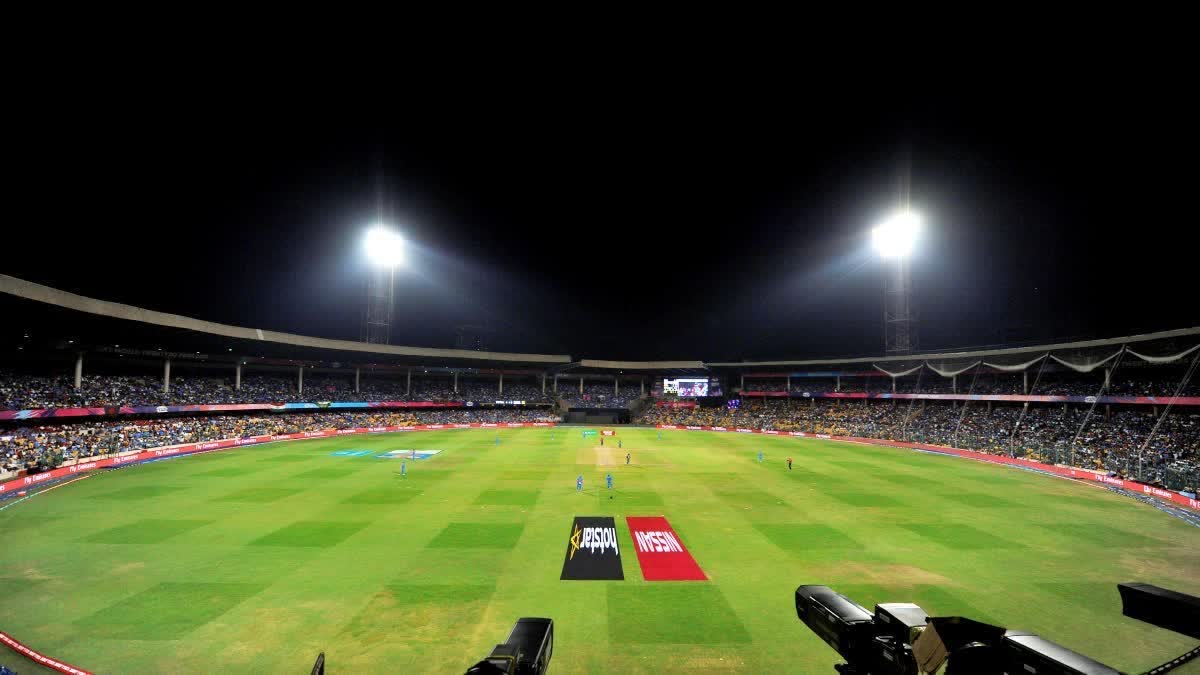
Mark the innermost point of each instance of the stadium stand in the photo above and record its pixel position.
(29, 392)
(766, 384)
(598, 395)
(1053, 383)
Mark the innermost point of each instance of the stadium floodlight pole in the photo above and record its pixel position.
(385, 252)
(894, 239)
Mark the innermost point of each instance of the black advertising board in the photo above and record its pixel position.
(592, 550)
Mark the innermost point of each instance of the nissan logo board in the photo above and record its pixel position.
(661, 554)
(592, 551)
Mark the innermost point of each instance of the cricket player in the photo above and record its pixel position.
(760, 457)
(497, 440)
(602, 441)
(403, 468)
(660, 435)
(627, 459)
(579, 483)
(620, 444)
(608, 479)
(789, 463)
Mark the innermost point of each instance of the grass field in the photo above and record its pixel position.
(258, 558)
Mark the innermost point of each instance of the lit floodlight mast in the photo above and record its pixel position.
(894, 240)
(385, 248)
(895, 237)
(385, 251)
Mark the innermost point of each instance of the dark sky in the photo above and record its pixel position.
(642, 219)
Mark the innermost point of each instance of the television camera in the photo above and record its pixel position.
(527, 650)
(900, 639)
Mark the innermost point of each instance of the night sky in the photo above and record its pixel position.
(639, 222)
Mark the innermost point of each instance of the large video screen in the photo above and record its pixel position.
(686, 386)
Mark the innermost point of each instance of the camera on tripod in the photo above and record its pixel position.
(527, 650)
(900, 639)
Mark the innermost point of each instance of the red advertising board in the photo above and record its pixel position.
(38, 657)
(660, 551)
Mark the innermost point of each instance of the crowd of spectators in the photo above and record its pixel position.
(924, 385)
(523, 391)
(1144, 386)
(688, 416)
(1111, 440)
(812, 384)
(1048, 384)
(25, 392)
(764, 384)
(994, 384)
(25, 447)
(598, 395)
(865, 384)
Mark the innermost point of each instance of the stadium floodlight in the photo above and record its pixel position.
(385, 248)
(894, 240)
(385, 252)
(896, 236)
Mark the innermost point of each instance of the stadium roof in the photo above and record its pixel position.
(663, 367)
(106, 322)
(114, 310)
(969, 353)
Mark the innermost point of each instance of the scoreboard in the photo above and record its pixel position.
(692, 387)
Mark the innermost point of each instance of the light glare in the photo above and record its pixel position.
(384, 247)
(895, 237)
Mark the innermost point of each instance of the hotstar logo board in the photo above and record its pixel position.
(661, 554)
(408, 454)
(592, 551)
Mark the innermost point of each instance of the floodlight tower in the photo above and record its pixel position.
(385, 251)
(894, 239)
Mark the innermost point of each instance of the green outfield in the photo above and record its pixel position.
(258, 558)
